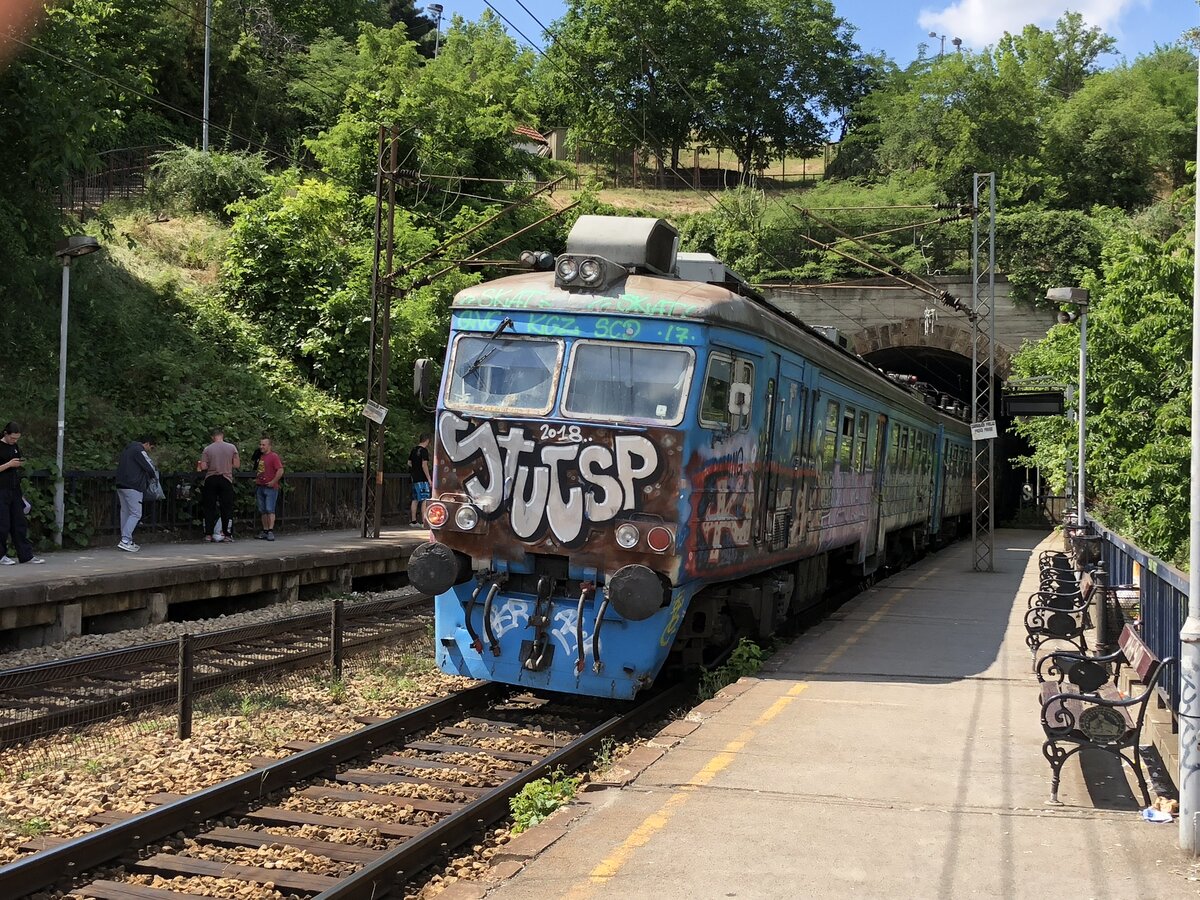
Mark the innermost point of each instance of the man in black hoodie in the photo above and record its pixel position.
(135, 472)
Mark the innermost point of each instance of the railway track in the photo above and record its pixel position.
(354, 817)
(40, 699)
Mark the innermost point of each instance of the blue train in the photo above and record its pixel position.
(637, 457)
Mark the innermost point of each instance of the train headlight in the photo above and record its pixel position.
(436, 514)
(567, 269)
(628, 536)
(466, 518)
(591, 271)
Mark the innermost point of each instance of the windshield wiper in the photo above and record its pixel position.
(485, 351)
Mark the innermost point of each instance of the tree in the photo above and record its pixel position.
(419, 26)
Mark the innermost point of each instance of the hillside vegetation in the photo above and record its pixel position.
(237, 291)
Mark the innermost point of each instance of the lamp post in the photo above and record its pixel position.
(1077, 297)
(68, 249)
(436, 9)
(942, 37)
(957, 42)
(208, 17)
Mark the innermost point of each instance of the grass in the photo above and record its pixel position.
(746, 659)
(540, 798)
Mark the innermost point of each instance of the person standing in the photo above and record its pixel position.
(12, 501)
(135, 473)
(217, 462)
(418, 471)
(268, 474)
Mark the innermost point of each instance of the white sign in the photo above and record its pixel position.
(983, 431)
(375, 412)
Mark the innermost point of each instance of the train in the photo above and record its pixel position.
(638, 460)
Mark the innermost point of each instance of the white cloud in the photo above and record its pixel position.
(981, 22)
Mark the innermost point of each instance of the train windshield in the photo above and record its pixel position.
(617, 381)
(511, 374)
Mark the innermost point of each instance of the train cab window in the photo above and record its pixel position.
(512, 374)
(722, 373)
(829, 444)
(846, 445)
(861, 452)
(619, 381)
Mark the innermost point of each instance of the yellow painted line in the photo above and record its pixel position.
(658, 820)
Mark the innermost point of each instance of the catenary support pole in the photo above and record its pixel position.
(208, 13)
(60, 508)
(1189, 657)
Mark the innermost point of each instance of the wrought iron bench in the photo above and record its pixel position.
(1063, 615)
(1082, 706)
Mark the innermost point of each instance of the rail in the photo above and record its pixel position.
(1161, 595)
(446, 823)
(39, 699)
(309, 501)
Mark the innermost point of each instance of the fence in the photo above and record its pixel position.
(120, 174)
(715, 168)
(308, 501)
(1162, 596)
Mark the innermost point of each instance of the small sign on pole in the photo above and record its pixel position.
(984, 431)
(375, 412)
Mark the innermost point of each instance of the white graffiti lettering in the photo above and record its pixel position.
(509, 615)
(560, 486)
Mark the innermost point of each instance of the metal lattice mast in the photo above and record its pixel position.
(983, 366)
(379, 358)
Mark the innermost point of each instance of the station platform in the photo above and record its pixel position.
(893, 751)
(106, 589)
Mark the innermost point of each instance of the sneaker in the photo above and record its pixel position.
(7, 561)
(130, 546)
(217, 538)
(36, 560)
(270, 535)
(262, 536)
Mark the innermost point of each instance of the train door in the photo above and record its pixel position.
(768, 445)
(938, 480)
(875, 534)
(786, 486)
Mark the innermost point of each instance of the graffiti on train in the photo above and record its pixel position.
(561, 486)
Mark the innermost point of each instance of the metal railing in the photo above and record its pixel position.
(1161, 593)
(117, 174)
(308, 501)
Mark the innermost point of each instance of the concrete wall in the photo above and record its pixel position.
(869, 311)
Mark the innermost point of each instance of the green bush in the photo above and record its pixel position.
(540, 798)
(189, 180)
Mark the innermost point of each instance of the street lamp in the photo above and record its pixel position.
(957, 42)
(942, 37)
(436, 9)
(68, 249)
(1077, 297)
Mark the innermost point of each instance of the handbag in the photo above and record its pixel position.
(154, 490)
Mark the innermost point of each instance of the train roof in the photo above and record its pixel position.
(731, 305)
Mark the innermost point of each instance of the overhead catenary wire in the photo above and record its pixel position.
(716, 200)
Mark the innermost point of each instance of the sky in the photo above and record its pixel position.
(897, 27)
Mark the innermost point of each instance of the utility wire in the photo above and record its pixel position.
(716, 200)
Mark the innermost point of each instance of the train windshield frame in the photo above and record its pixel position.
(510, 373)
(610, 381)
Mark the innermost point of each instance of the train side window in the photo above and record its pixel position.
(846, 445)
(904, 455)
(863, 426)
(894, 448)
(829, 442)
(721, 374)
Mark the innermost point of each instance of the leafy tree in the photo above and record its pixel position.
(1139, 336)
(419, 26)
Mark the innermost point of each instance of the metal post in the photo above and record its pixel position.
(1079, 484)
(60, 515)
(184, 683)
(208, 12)
(1189, 656)
(336, 631)
(983, 368)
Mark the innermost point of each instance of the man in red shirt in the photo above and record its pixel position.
(269, 472)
